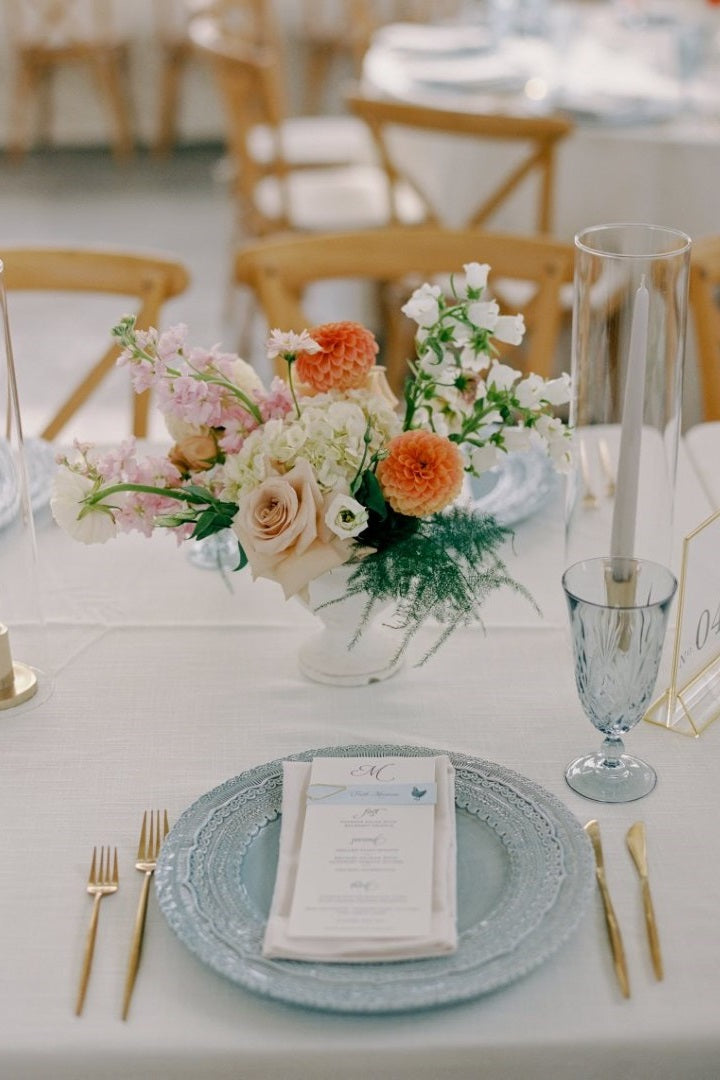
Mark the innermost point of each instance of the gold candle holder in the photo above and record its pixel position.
(18, 682)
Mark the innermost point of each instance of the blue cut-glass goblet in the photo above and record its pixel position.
(618, 611)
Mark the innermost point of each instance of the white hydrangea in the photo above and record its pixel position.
(329, 434)
(243, 375)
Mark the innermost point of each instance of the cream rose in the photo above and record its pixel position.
(281, 528)
(181, 429)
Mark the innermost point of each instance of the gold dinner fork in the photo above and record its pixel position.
(101, 882)
(147, 856)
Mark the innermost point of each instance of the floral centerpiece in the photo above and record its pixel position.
(323, 469)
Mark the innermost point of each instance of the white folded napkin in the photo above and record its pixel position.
(442, 937)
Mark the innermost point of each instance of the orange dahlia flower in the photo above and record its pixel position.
(422, 473)
(348, 353)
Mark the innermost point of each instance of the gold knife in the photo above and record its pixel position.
(593, 830)
(638, 849)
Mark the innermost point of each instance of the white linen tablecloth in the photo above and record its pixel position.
(167, 684)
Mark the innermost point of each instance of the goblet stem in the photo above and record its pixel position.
(612, 747)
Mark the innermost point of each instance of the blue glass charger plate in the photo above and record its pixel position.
(9, 489)
(40, 465)
(515, 488)
(525, 875)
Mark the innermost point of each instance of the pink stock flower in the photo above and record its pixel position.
(277, 402)
(171, 343)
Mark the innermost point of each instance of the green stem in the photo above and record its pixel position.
(290, 360)
(147, 489)
(220, 380)
(361, 466)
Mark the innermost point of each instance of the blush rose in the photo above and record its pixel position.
(283, 533)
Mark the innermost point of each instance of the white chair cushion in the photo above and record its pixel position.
(315, 140)
(351, 197)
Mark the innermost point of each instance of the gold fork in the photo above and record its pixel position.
(147, 856)
(101, 882)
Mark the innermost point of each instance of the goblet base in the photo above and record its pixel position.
(625, 779)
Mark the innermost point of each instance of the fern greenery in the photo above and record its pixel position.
(443, 568)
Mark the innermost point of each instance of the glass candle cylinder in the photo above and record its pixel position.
(25, 673)
(628, 342)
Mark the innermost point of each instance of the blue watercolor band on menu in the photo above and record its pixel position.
(424, 794)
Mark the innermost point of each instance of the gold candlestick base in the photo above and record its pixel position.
(18, 687)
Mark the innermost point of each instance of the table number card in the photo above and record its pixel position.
(366, 858)
(692, 701)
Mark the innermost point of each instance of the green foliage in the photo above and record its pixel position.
(369, 493)
(442, 568)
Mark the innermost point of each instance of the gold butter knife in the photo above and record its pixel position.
(637, 846)
(593, 830)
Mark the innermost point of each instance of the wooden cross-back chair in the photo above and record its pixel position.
(705, 309)
(47, 34)
(280, 269)
(368, 16)
(332, 30)
(252, 21)
(533, 142)
(537, 137)
(301, 183)
(149, 279)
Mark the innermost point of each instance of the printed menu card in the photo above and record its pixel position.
(366, 867)
(366, 856)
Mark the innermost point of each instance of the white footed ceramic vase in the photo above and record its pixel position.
(330, 656)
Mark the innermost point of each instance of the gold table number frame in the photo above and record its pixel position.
(692, 701)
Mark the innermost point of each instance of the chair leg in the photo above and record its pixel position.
(45, 105)
(317, 70)
(107, 68)
(176, 57)
(26, 84)
(399, 334)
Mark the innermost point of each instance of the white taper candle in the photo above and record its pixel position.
(6, 661)
(622, 542)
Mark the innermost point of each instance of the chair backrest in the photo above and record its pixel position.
(705, 308)
(367, 16)
(350, 24)
(150, 280)
(253, 21)
(249, 78)
(535, 137)
(280, 269)
(58, 23)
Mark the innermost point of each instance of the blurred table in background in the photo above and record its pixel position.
(641, 81)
